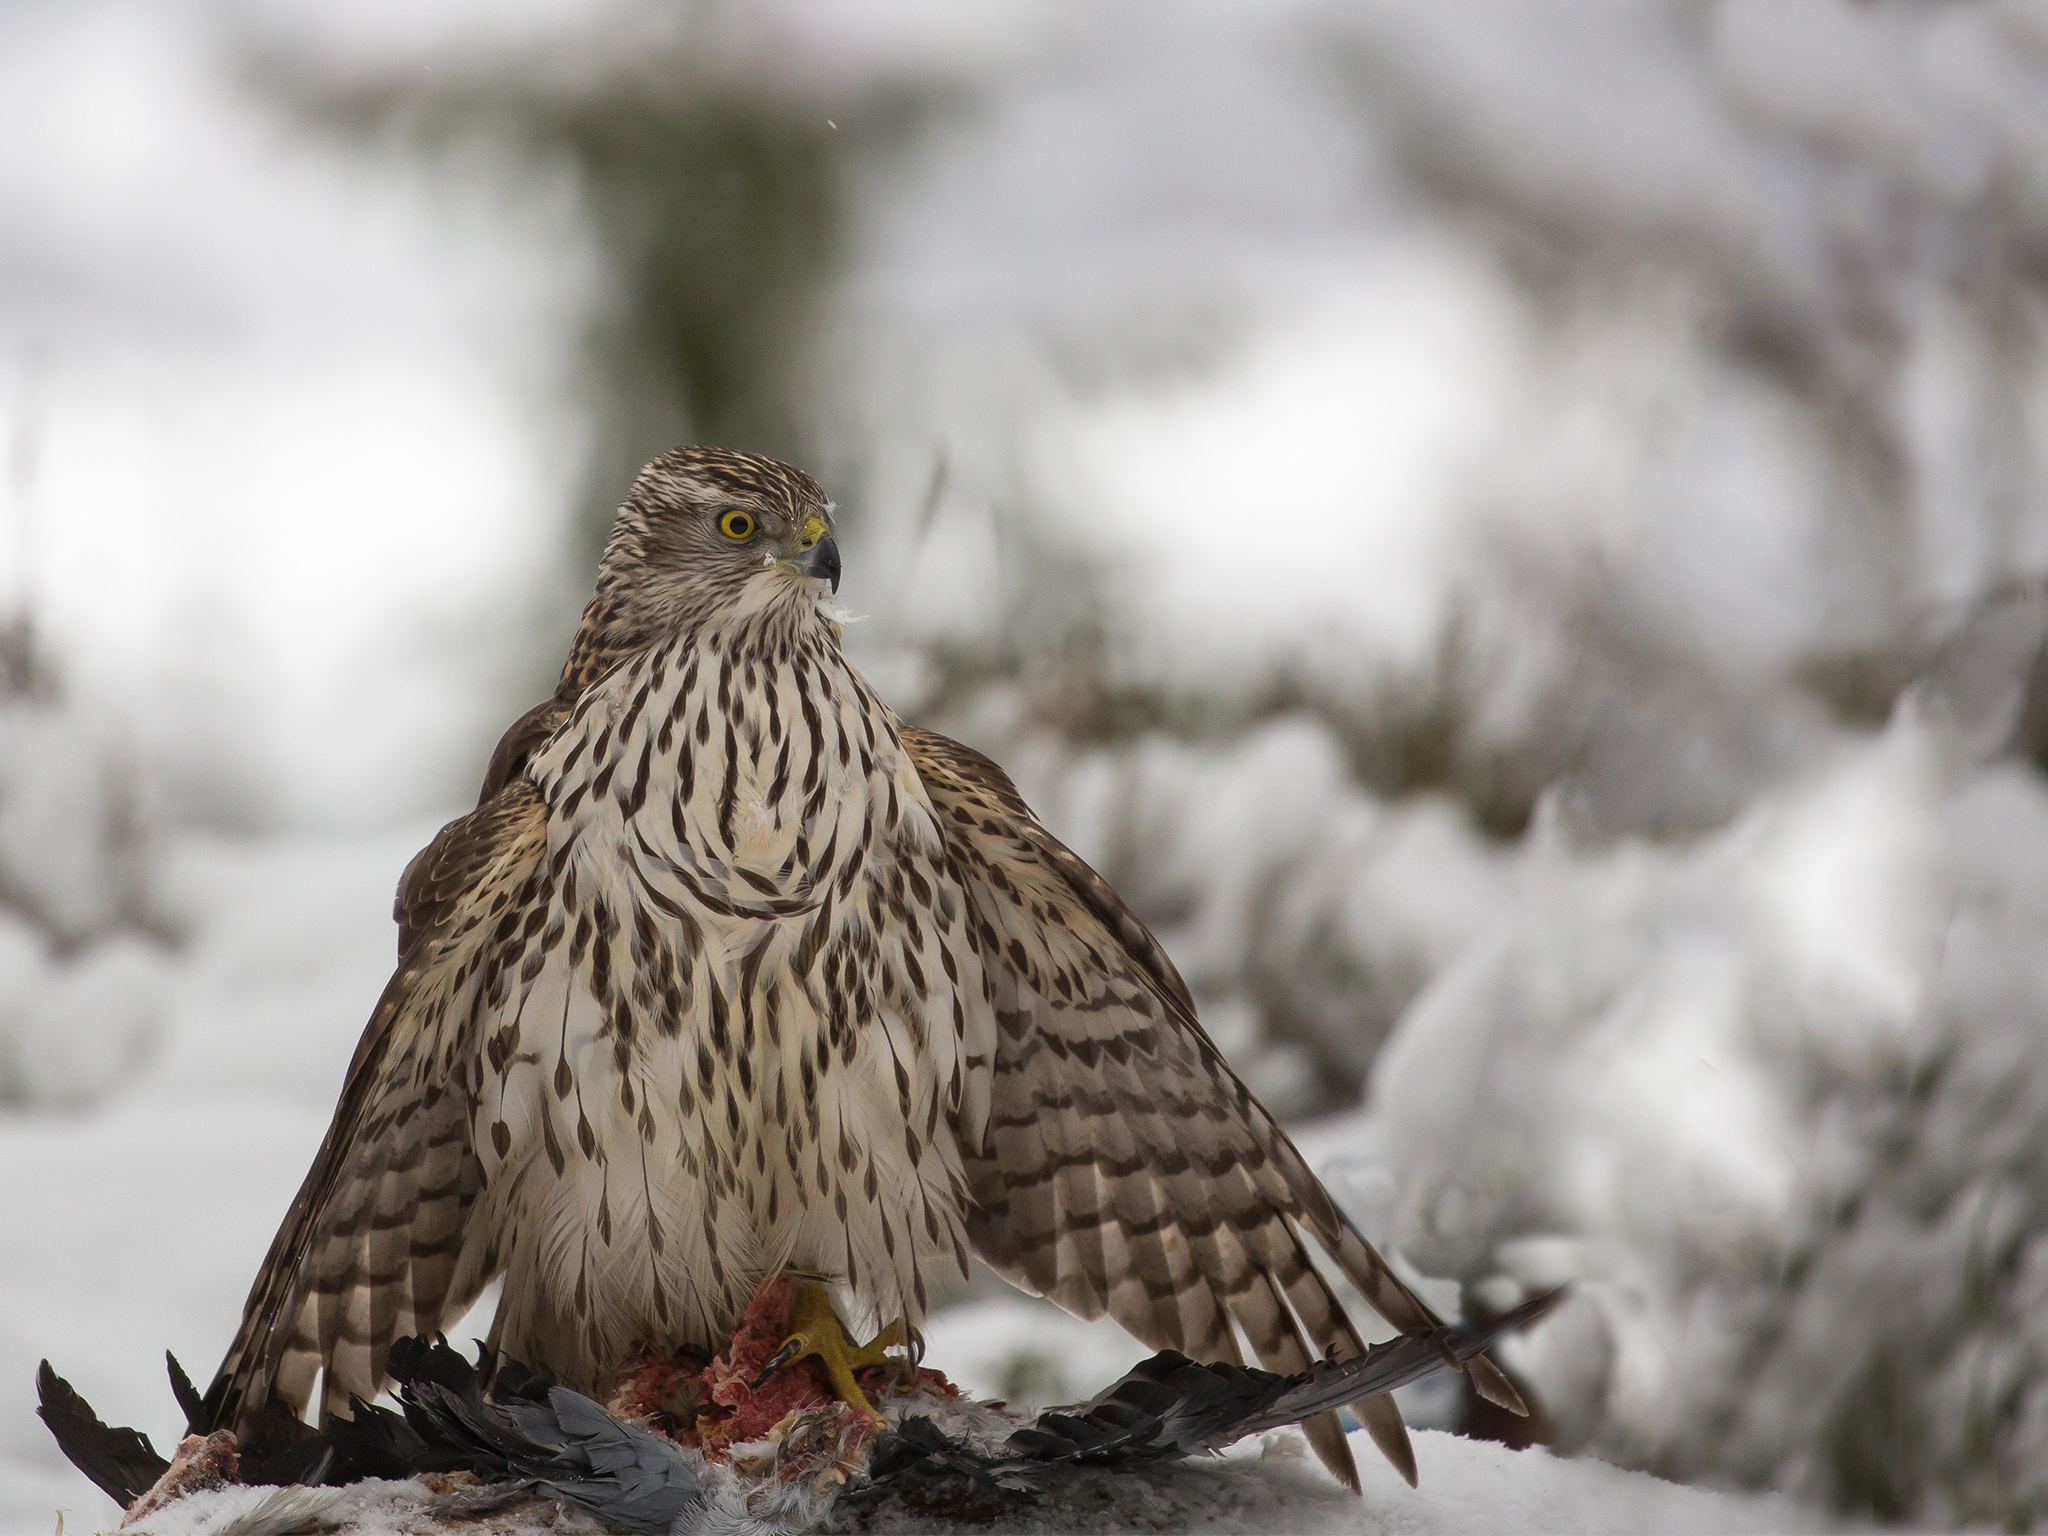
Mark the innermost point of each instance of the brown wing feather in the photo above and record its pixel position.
(434, 880)
(1127, 1169)
(377, 1243)
(527, 735)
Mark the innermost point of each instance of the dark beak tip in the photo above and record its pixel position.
(828, 561)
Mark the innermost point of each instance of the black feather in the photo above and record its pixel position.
(1168, 1406)
(375, 1442)
(190, 1403)
(121, 1462)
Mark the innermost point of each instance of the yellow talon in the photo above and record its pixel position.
(815, 1329)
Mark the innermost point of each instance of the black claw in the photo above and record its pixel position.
(783, 1356)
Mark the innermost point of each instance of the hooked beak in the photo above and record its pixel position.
(816, 555)
(820, 560)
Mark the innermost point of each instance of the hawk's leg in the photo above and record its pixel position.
(815, 1329)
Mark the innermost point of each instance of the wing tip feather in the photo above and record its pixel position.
(1326, 1438)
(1492, 1383)
(1382, 1420)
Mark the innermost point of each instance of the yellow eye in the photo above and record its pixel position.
(737, 525)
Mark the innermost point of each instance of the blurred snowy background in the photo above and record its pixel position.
(1515, 535)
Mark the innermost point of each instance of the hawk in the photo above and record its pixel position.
(731, 972)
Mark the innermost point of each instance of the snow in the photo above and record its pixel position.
(74, 1034)
(267, 402)
(1026, 1352)
(84, 939)
(1274, 1485)
(1610, 1064)
(1767, 1100)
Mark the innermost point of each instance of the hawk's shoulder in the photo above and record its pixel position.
(510, 806)
(516, 747)
(457, 866)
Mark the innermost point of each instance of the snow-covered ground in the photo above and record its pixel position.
(1269, 1486)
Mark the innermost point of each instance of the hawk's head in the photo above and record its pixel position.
(711, 533)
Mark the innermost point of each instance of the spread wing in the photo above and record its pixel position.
(378, 1243)
(1126, 1168)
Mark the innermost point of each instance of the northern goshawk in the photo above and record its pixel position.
(731, 972)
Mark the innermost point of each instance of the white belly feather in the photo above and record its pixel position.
(737, 1042)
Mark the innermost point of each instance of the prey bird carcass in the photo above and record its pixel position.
(688, 1445)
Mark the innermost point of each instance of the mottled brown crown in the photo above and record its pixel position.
(673, 487)
(689, 474)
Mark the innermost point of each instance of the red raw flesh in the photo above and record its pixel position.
(731, 1409)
